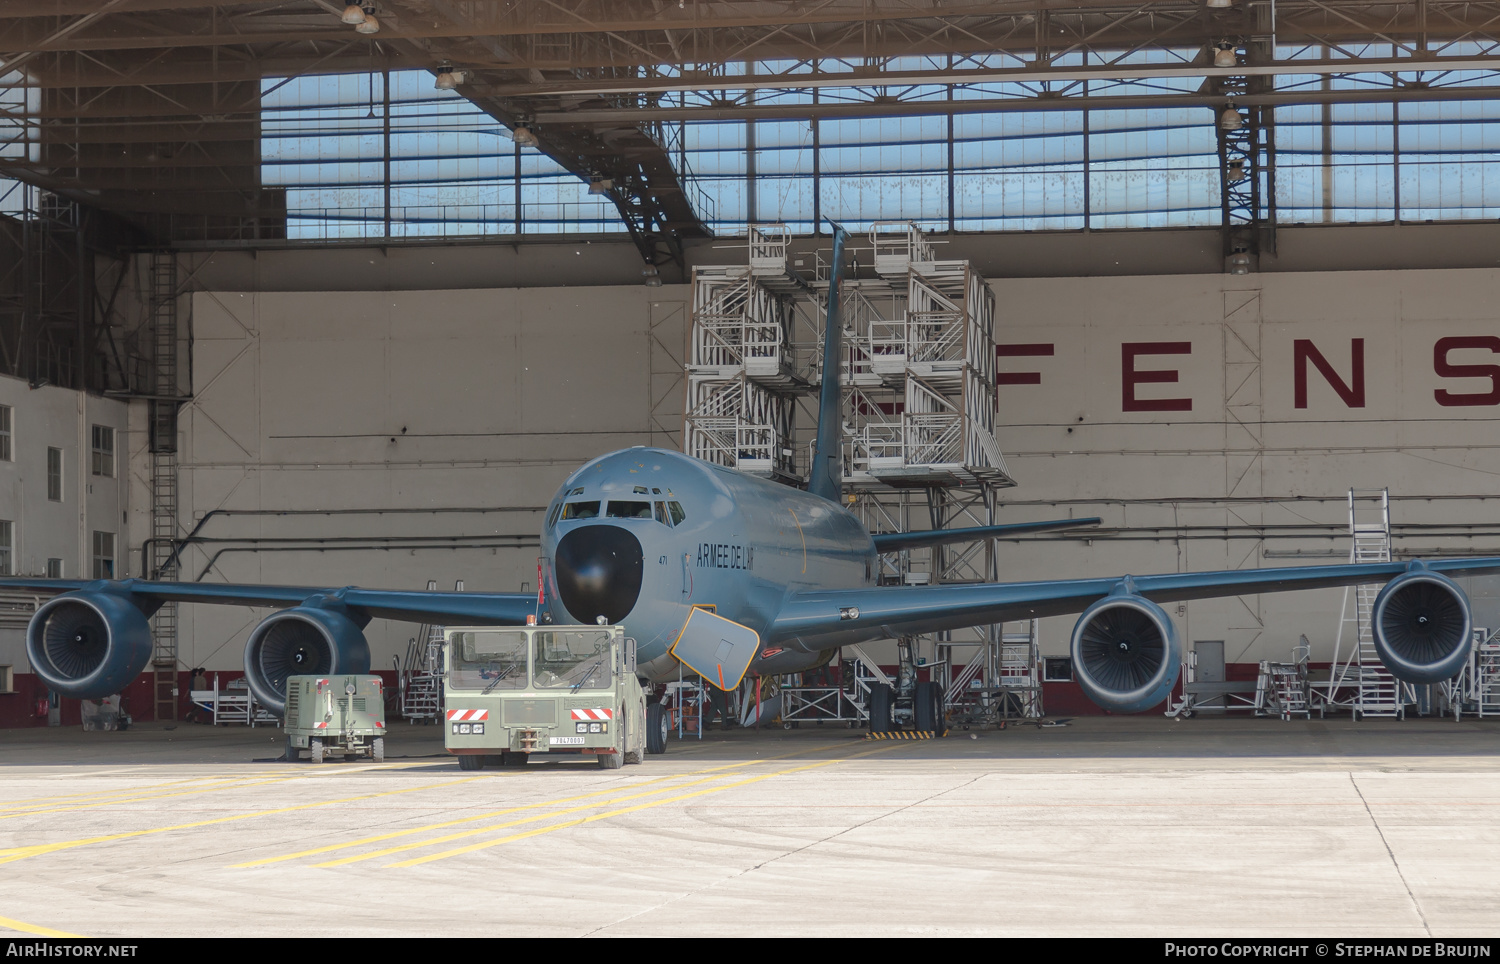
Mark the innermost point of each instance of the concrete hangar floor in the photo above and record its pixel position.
(1107, 826)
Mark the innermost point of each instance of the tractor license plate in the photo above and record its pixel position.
(567, 741)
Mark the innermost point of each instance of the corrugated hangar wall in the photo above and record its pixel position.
(384, 439)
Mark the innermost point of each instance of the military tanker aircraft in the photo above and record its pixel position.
(729, 573)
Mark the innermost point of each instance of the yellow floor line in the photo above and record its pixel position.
(434, 841)
(149, 796)
(329, 848)
(8, 805)
(26, 928)
(471, 848)
(10, 854)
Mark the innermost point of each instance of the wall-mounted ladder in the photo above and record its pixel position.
(163, 406)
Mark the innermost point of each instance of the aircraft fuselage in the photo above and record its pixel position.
(643, 535)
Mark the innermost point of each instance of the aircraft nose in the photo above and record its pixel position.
(598, 571)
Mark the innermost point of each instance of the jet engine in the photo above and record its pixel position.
(1125, 653)
(1421, 622)
(304, 641)
(88, 645)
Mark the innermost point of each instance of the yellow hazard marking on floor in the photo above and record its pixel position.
(515, 774)
(471, 848)
(26, 928)
(907, 735)
(10, 854)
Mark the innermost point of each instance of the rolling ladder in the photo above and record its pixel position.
(420, 680)
(1487, 675)
(1281, 688)
(1362, 682)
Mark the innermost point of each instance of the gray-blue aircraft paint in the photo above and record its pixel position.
(745, 546)
(653, 533)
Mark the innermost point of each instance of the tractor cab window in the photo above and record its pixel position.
(629, 510)
(575, 660)
(489, 660)
(580, 510)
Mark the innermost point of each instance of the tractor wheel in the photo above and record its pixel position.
(315, 750)
(656, 729)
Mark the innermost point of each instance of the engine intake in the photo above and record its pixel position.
(88, 645)
(1125, 653)
(1421, 622)
(300, 642)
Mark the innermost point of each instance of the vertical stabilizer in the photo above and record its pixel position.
(827, 465)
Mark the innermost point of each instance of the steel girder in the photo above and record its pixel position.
(603, 82)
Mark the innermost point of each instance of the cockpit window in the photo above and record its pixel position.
(661, 513)
(552, 516)
(581, 510)
(577, 491)
(677, 514)
(629, 510)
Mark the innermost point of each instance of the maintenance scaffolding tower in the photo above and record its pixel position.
(1358, 679)
(919, 410)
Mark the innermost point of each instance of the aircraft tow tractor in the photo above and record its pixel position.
(517, 691)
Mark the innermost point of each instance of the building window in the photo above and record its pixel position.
(104, 555)
(5, 449)
(54, 569)
(1057, 669)
(7, 679)
(7, 531)
(54, 475)
(104, 451)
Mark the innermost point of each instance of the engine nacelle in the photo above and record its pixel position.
(1125, 653)
(88, 645)
(1422, 623)
(300, 642)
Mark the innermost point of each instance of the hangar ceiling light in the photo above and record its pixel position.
(369, 24)
(1220, 4)
(448, 78)
(600, 185)
(1231, 120)
(353, 15)
(523, 136)
(1225, 56)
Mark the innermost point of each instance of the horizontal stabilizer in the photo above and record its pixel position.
(895, 541)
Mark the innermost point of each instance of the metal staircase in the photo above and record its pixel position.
(1360, 680)
(420, 680)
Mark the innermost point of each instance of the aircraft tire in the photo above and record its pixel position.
(315, 750)
(881, 697)
(923, 702)
(471, 761)
(656, 729)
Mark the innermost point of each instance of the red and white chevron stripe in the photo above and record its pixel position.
(321, 726)
(468, 716)
(593, 714)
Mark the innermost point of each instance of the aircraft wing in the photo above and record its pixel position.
(894, 541)
(417, 606)
(827, 618)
